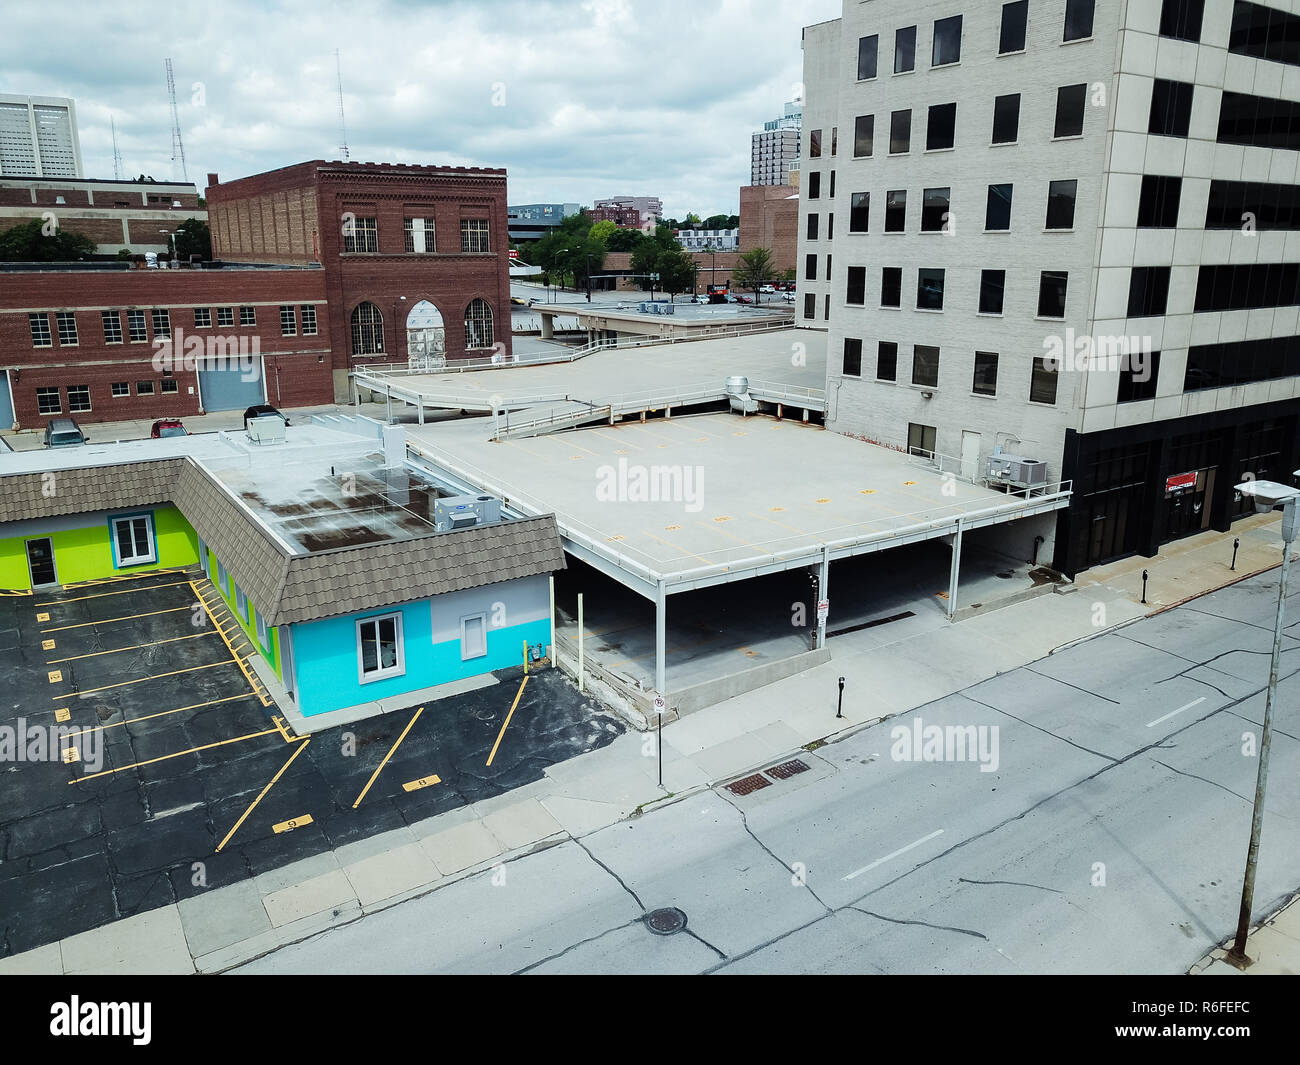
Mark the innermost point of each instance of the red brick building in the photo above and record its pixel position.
(81, 342)
(769, 218)
(415, 257)
(623, 217)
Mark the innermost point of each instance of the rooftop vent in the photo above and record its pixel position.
(267, 430)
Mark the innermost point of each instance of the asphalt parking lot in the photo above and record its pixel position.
(183, 778)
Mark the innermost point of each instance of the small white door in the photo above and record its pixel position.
(473, 636)
(970, 454)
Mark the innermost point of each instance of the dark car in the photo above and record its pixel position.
(164, 428)
(262, 410)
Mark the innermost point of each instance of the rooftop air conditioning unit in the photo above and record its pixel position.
(488, 509)
(1013, 469)
(266, 430)
(455, 512)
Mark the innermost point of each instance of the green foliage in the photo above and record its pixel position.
(624, 240)
(722, 221)
(193, 238)
(124, 254)
(37, 242)
(564, 252)
(601, 231)
(753, 269)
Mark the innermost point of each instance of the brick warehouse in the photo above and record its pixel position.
(62, 354)
(426, 235)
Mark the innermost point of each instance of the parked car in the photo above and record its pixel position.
(789, 297)
(64, 432)
(165, 428)
(767, 290)
(699, 299)
(519, 301)
(262, 410)
(744, 299)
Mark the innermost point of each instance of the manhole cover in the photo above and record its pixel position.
(746, 785)
(786, 770)
(667, 921)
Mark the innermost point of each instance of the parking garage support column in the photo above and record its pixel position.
(661, 626)
(955, 572)
(548, 326)
(823, 593)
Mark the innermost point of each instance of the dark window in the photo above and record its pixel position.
(1240, 288)
(997, 211)
(826, 314)
(810, 268)
(895, 211)
(852, 357)
(947, 41)
(925, 366)
(1006, 118)
(1012, 35)
(832, 193)
(1265, 33)
(867, 48)
(985, 380)
(1078, 19)
(1148, 291)
(992, 286)
(1051, 294)
(1260, 121)
(1070, 101)
(1158, 204)
(859, 211)
(904, 49)
(941, 126)
(929, 290)
(814, 144)
(864, 129)
(1240, 362)
(1253, 204)
(920, 439)
(1171, 108)
(1137, 380)
(855, 290)
(828, 272)
(1181, 19)
(814, 185)
(1060, 204)
(810, 305)
(891, 286)
(887, 361)
(1042, 382)
(935, 205)
(812, 227)
(900, 132)
(830, 227)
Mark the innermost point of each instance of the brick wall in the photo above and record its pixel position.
(769, 218)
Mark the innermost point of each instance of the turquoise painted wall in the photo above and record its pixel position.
(325, 656)
(248, 624)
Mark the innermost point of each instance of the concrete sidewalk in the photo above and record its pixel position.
(887, 672)
(1273, 946)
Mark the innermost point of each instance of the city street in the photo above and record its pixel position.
(1099, 825)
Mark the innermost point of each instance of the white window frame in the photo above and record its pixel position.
(39, 324)
(308, 311)
(125, 386)
(66, 323)
(241, 603)
(204, 322)
(225, 317)
(247, 316)
(137, 330)
(73, 407)
(112, 322)
(47, 390)
(398, 668)
(263, 634)
(223, 578)
(480, 617)
(135, 560)
(288, 320)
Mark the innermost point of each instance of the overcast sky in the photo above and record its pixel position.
(578, 100)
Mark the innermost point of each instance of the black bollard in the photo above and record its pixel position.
(1144, 587)
(1236, 543)
(839, 712)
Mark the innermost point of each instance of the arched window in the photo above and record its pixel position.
(367, 330)
(478, 325)
(426, 341)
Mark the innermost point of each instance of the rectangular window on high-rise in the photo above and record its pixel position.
(891, 286)
(895, 211)
(852, 357)
(855, 290)
(992, 286)
(812, 227)
(904, 49)
(900, 132)
(929, 289)
(859, 211)
(935, 205)
(810, 268)
(864, 129)
(947, 41)
(886, 360)
(1006, 118)
(1051, 293)
(1042, 381)
(1060, 204)
(1078, 19)
(867, 48)
(925, 366)
(997, 210)
(941, 127)
(1158, 202)
(1181, 19)
(1011, 36)
(985, 379)
(1070, 102)
(1148, 291)
(1171, 108)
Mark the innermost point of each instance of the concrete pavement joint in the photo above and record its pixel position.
(1206, 780)
(574, 946)
(923, 924)
(744, 821)
(1045, 731)
(1275, 730)
(1048, 676)
(700, 939)
(611, 872)
(1011, 883)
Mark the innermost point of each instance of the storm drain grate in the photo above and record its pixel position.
(786, 770)
(749, 785)
(666, 921)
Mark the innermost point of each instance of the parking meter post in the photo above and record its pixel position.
(1144, 587)
(1236, 543)
(839, 712)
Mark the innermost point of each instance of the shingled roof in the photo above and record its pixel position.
(287, 587)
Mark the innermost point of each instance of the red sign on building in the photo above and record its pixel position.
(1179, 481)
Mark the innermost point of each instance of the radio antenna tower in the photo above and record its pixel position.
(343, 125)
(178, 149)
(117, 156)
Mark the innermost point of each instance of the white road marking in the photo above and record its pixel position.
(901, 850)
(1175, 713)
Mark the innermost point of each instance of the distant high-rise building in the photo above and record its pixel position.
(775, 149)
(649, 206)
(38, 137)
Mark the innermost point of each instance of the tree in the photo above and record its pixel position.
(753, 269)
(718, 221)
(601, 231)
(193, 238)
(625, 240)
(37, 242)
(692, 219)
(676, 270)
(788, 274)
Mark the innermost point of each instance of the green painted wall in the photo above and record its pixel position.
(249, 625)
(87, 554)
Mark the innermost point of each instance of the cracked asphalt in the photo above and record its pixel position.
(1110, 839)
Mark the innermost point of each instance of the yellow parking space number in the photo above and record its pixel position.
(423, 782)
(62, 714)
(56, 676)
(47, 645)
(291, 824)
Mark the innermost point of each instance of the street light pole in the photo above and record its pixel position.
(1237, 955)
(588, 258)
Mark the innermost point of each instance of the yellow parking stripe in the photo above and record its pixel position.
(138, 680)
(260, 797)
(506, 724)
(110, 621)
(160, 713)
(130, 647)
(244, 668)
(375, 774)
(178, 754)
(105, 595)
